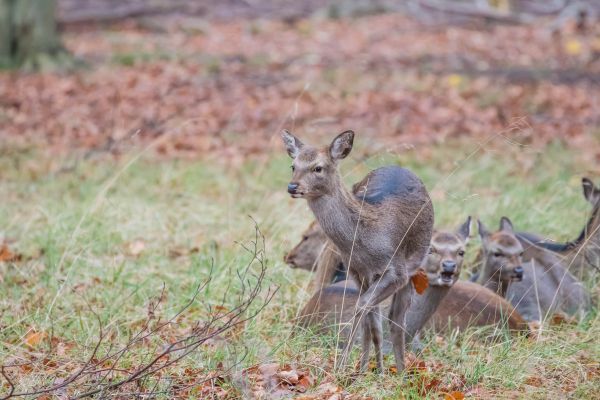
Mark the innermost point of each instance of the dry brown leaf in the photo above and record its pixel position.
(420, 281)
(33, 339)
(454, 396)
(6, 255)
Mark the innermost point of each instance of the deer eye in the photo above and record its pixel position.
(461, 253)
(304, 238)
(318, 169)
(293, 168)
(497, 254)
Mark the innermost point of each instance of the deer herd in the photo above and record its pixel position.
(367, 243)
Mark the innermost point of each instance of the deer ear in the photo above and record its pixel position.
(506, 225)
(590, 191)
(293, 145)
(464, 231)
(341, 145)
(483, 232)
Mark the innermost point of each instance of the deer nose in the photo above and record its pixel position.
(289, 259)
(448, 266)
(292, 188)
(519, 272)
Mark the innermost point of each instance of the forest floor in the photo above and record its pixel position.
(128, 183)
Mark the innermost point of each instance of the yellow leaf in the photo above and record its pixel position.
(420, 281)
(33, 339)
(454, 80)
(573, 47)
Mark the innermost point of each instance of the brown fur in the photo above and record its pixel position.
(457, 307)
(469, 304)
(501, 255)
(466, 305)
(381, 244)
(546, 287)
(305, 254)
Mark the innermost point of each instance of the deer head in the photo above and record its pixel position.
(446, 255)
(314, 171)
(502, 254)
(305, 254)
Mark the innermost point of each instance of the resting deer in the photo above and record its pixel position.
(313, 247)
(382, 237)
(447, 304)
(585, 249)
(538, 288)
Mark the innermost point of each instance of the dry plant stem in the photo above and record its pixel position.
(250, 293)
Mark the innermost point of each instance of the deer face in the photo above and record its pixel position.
(305, 254)
(446, 255)
(314, 171)
(502, 252)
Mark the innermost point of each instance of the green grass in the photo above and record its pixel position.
(75, 227)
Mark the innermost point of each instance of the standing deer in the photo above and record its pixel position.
(538, 288)
(585, 249)
(382, 237)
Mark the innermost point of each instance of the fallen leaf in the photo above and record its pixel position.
(6, 255)
(454, 80)
(420, 281)
(535, 381)
(454, 396)
(573, 47)
(33, 339)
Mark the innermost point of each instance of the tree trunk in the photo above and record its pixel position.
(28, 35)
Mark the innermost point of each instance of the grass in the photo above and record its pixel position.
(77, 230)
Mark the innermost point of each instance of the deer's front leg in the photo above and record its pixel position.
(400, 304)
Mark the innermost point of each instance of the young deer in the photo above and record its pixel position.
(538, 288)
(382, 237)
(501, 253)
(446, 304)
(312, 248)
(585, 249)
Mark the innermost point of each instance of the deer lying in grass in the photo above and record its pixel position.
(447, 304)
(382, 237)
(538, 288)
(584, 250)
(310, 249)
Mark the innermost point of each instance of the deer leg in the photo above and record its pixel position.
(374, 318)
(400, 304)
(366, 342)
(366, 309)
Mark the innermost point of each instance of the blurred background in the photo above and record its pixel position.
(136, 137)
(222, 78)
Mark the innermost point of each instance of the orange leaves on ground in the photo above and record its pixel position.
(33, 338)
(274, 381)
(454, 396)
(246, 99)
(420, 281)
(431, 377)
(6, 255)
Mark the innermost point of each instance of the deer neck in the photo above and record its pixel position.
(338, 214)
(493, 282)
(422, 308)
